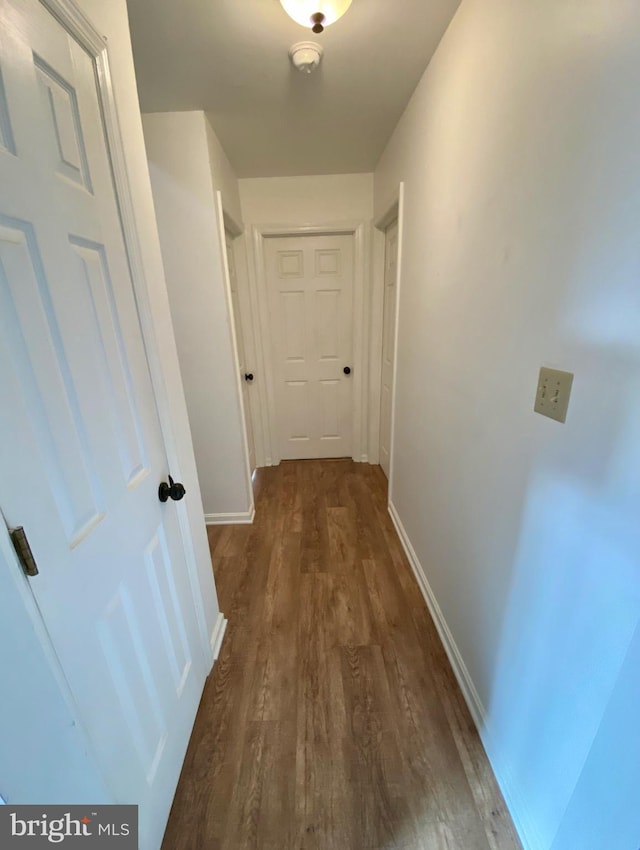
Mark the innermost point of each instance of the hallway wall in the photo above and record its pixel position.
(520, 152)
(187, 166)
(223, 176)
(318, 199)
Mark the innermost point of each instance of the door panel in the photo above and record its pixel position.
(41, 366)
(82, 443)
(292, 312)
(388, 342)
(64, 127)
(330, 404)
(112, 365)
(327, 310)
(299, 403)
(310, 290)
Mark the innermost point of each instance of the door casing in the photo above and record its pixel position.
(226, 223)
(389, 313)
(393, 212)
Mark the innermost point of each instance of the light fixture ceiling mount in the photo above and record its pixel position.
(315, 14)
(306, 56)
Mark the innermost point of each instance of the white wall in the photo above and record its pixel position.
(111, 19)
(319, 199)
(223, 175)
(520, 151)
(184, 196)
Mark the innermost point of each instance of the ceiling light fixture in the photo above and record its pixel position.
(306, 56)
(316, 14)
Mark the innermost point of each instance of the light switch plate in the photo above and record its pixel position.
(552, 397)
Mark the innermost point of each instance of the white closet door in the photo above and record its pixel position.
(81, 443)
(310, 283)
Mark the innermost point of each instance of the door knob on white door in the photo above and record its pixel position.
(173, 490)
(347, 370)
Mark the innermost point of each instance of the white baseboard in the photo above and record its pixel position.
(217, 635)
(245, 518)
(514, 800)
(459, 668)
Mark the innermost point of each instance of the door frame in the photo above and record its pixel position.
(394, 211)
(153, 313)
(267, 443)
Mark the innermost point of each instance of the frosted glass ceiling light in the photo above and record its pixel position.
(316, 14)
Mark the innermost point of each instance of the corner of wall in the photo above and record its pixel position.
(223, 174)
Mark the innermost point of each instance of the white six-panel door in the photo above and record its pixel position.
(81, 449)
(388, 342)
(310, 291)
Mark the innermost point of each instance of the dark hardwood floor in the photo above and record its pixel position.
(332, 719)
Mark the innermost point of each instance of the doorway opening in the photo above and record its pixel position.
(311, 329)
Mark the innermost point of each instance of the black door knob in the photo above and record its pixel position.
(347, 370)
(173, 490)
(248, 376)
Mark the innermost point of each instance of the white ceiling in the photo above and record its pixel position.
(230, 58)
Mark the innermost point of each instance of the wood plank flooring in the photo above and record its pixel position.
(332, 719)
